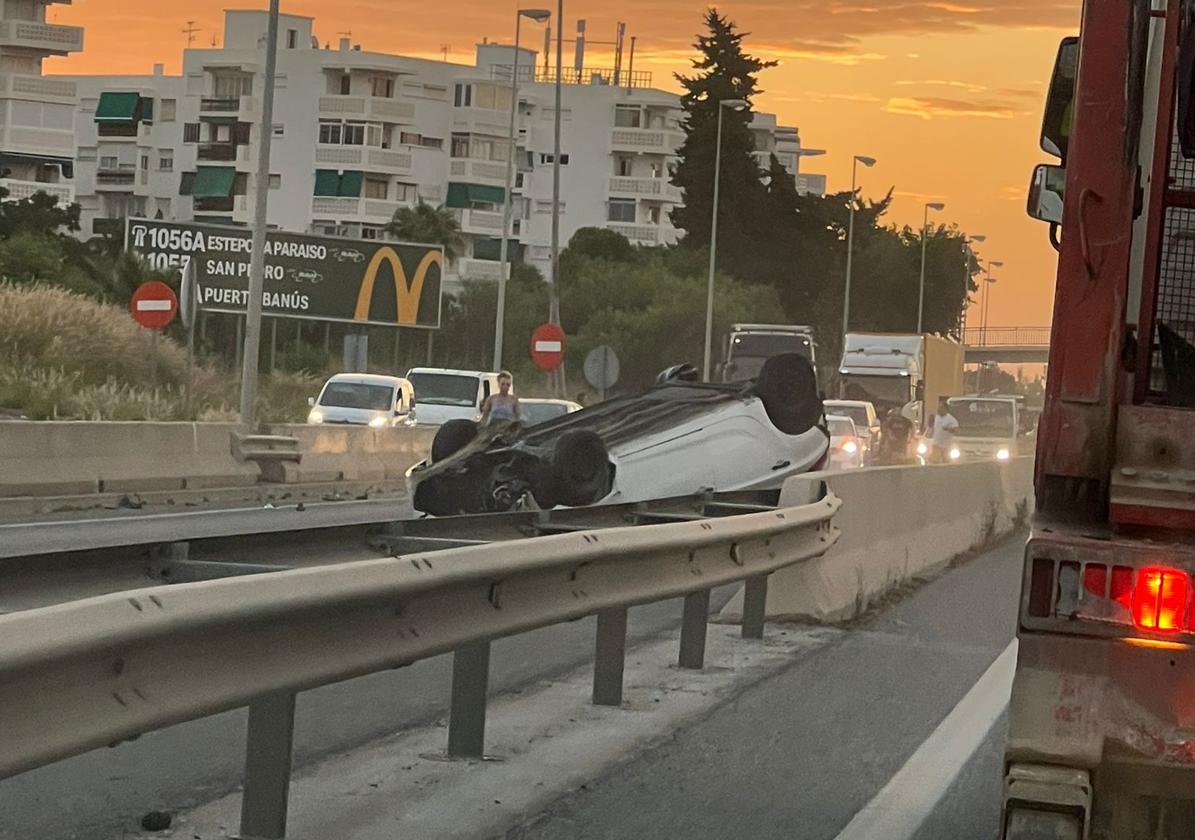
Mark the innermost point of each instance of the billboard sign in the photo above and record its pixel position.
(319, 278)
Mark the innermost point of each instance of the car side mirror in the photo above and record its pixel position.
(311, 401)
(1047, 193)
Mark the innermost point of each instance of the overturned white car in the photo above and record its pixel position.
(680, 437)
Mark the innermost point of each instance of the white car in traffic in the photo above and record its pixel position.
(446, 394)
(536, 411)
(846, 450)
(363, 399)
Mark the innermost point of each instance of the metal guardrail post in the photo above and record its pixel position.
(470, 682)
(755, 600)
(609, 656)
(267, 766)
(692, 630)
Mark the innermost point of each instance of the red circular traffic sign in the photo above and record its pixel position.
(547, 347)
(154, 305)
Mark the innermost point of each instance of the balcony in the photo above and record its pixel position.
(647, 140)
(375, 160)
(374, 210)
(122, 177)
(49, 38)
(227, 106)
(19, 190)
(638, 234)
(46, 143)
(471, 269)
(118, 130)
(478, 171)
(218, 151)
(40, 88)
(658, 189)
(480, 221)
(375, 108)
(221, 204)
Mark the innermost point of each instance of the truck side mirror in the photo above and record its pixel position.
(1060, 100)
(1047, 193)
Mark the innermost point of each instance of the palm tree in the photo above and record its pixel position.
(429, 225)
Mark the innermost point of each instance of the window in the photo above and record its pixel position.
(240, 184)
(222, 133)
(547, 158)
(240, 133)
(408, 138)
(108, 163)
(191, 133)
(377, 188)
(463, 96)
(144, 162)
(275, 182)
(166, 160)
(622, 166)
(230, 85)
(621, 210)
(485, 96)
(481, 148)
(169, 110)
(330, 132)
(460, 145)
(292, 39)
(404, 192)
(653, 215)
(346, 84)
(382, 86)
(279, 130)
(432, 142)
(369, 232)
(354, 134)
(373, 135)
(627, 116)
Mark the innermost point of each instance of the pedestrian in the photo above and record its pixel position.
(942, 433)
(502, 407)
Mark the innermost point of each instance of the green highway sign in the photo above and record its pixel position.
(319, 278)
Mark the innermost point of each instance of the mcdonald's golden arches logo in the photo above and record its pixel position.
(407, 294)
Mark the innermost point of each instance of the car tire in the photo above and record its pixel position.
(787, 387)
(451, 438)
(580, 470)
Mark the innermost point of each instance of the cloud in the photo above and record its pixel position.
(970, 87)
(929, 107)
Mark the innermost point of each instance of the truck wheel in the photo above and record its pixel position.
(451, 438)
(580, 469)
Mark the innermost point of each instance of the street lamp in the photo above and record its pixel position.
(736, 105)
(968, 253)
(983, 317)
(539, 16)
(938, 206)
(850, 242)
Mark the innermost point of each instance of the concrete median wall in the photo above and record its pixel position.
(897, 523)
(355, 453)
(75, 458)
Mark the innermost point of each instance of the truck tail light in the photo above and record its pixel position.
(1160, 600)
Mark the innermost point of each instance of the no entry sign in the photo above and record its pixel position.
(547, 346)
(154, 305)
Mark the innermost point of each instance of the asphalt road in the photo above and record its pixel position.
(801, 753)
(102, 794)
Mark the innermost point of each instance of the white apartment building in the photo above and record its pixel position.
(356, 135)
(37, 113)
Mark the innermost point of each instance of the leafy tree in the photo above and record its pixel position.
(40, 213)
(430, 225)
(724, 72)
(600, 243)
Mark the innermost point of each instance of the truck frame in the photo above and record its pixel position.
(1102, 716)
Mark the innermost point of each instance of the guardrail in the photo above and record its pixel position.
(1006, 336)
(87, 674)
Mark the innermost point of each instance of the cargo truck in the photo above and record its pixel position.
(747, 346)
(902, 372)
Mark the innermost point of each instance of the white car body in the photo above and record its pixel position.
(988, 428)
(444, 394)
(364, 399)
(542, 411)
(846, 450)
(867, 423)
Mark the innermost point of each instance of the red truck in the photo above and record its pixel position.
(1102, 718)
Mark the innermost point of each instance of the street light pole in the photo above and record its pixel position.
(933, 205)
(738, 105)
(257, 259)
(539, 16)
(850, 242)
(968, 253)
(983, 317)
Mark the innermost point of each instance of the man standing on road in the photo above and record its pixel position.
(942, 433)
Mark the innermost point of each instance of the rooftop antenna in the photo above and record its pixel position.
(189, 30)
(213, 40)
(444, 50)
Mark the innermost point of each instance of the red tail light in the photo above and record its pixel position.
(1160, 600)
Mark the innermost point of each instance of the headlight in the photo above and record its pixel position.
(316, 416)
(850, 447)
(955, 454)
(379, 422)
(1002, 454)
(922, 448)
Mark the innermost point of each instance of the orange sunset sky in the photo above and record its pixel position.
(947, 94)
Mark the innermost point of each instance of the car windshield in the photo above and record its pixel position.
(357, 395)
(858, 413)
(765, 345)
(841, 427)
(881, 390)
(444, 389)
(983, 418)
(536, 413)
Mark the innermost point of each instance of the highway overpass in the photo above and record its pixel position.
(1007, 345)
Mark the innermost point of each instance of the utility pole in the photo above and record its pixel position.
(261, 196)
(190, 30)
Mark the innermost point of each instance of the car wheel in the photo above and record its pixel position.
(580, 472)
(787, 387)
(451, 438)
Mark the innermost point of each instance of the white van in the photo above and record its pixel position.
(445, 394)
(364, 399)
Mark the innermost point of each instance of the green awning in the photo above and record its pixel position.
(327, 182)
(350, 183)
(214, 182)
(463, 196)
(117, 107)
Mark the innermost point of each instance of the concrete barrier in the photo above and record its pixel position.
(897, 523)
(355, 453)
(48, 458)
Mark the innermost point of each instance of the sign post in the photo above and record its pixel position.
(547, 347)
(154, 306)
(602, 369)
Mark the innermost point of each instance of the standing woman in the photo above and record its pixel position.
(502, 407)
